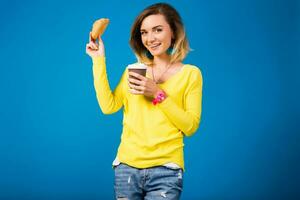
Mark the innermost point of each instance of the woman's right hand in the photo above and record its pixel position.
(94, 49)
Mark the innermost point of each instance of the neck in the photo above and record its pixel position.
(161, 61)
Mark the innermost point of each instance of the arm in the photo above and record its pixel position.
(109, 101)
(186, 119)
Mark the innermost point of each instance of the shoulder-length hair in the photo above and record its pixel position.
(179, 44)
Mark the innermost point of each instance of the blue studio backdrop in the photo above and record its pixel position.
(56, 144)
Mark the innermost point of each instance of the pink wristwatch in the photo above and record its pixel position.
(160, 97)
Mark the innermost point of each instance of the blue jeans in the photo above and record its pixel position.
(155, 183)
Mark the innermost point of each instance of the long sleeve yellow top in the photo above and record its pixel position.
(152, 135)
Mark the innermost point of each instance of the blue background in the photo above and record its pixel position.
(56, 144)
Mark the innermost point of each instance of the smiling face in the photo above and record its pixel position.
(156, 34)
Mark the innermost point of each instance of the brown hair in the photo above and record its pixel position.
(179, 44)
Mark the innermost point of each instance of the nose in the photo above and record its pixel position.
(150, 37)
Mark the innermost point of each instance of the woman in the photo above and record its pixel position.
(159, 108)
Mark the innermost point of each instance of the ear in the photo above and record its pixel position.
(172, 36)
(172, 41)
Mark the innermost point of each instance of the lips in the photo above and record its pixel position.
(155, 46)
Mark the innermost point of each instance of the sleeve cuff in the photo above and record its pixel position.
(165, 103)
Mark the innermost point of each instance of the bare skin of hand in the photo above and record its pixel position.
(94, 48)
(144, 85)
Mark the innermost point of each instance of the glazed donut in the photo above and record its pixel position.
(99, 27)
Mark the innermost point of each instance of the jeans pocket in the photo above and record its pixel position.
(179, 176)
(174, 177)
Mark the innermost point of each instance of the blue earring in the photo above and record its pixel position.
(148, 55)
(170, 51)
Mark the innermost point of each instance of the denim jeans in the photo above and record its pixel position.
(155, 183)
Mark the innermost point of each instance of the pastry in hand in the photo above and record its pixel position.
(99, 27)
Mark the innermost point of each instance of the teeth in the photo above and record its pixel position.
(154, 46)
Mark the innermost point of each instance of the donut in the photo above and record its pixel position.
(99, 27)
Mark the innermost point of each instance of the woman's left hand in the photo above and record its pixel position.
(142, 85)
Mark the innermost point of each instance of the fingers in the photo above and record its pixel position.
(133, 91)
(90, 38)
(136, 87)
(100, 39)
(92, 41)
(88, 46)
(91, 46)
(94, 45)
(138, 76)
(135, 81)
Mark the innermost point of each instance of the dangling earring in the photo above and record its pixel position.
(170, 51)
(148, 54)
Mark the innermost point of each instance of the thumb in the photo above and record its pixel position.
(91, 38)
(100, 40)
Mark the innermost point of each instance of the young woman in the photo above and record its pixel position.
(159, 108)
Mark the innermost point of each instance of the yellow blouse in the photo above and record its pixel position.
(152, 135)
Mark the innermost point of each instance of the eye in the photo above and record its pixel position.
(143, 32)
(158, 30)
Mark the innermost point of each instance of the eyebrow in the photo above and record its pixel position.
(158, 26)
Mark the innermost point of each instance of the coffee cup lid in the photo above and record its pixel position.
(137, 66)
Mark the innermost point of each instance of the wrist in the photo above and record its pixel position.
(159, 97)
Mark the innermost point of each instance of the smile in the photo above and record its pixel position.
(153, 47)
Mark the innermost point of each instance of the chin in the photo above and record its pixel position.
(157, 53)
